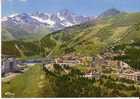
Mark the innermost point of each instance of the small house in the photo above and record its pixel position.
(9, 64)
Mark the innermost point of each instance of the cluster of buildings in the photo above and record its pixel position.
(92, 74)
(135, 76)
(69, 60)
(127, 72)
(72, 59)
(105, 62)
(99, 64)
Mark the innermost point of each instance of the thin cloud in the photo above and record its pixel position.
(23, 0)
(18, 0)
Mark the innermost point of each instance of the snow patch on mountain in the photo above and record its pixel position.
(67, 24)
(60, 17)
(48, 21)
(4, 18)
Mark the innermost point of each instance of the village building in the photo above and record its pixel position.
(122, 66)
(9, 64)
(131, 76)
(92, 75)
(68, 60)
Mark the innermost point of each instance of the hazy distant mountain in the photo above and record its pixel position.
(109, 12)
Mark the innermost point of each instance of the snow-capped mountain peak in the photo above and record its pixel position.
(54, 21)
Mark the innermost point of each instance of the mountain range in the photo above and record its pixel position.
(88, 38)
(36, 25)
(25, 25)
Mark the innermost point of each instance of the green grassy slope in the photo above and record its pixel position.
(28, 84)
(6, 36)
(18, 48)
(16, 33)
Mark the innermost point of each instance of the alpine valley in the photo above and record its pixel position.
(74, 56)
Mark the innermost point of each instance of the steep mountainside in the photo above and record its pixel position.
(94, 37)
(131, 49)
(16, 33)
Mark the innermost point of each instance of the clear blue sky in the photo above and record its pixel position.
(81, 7)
